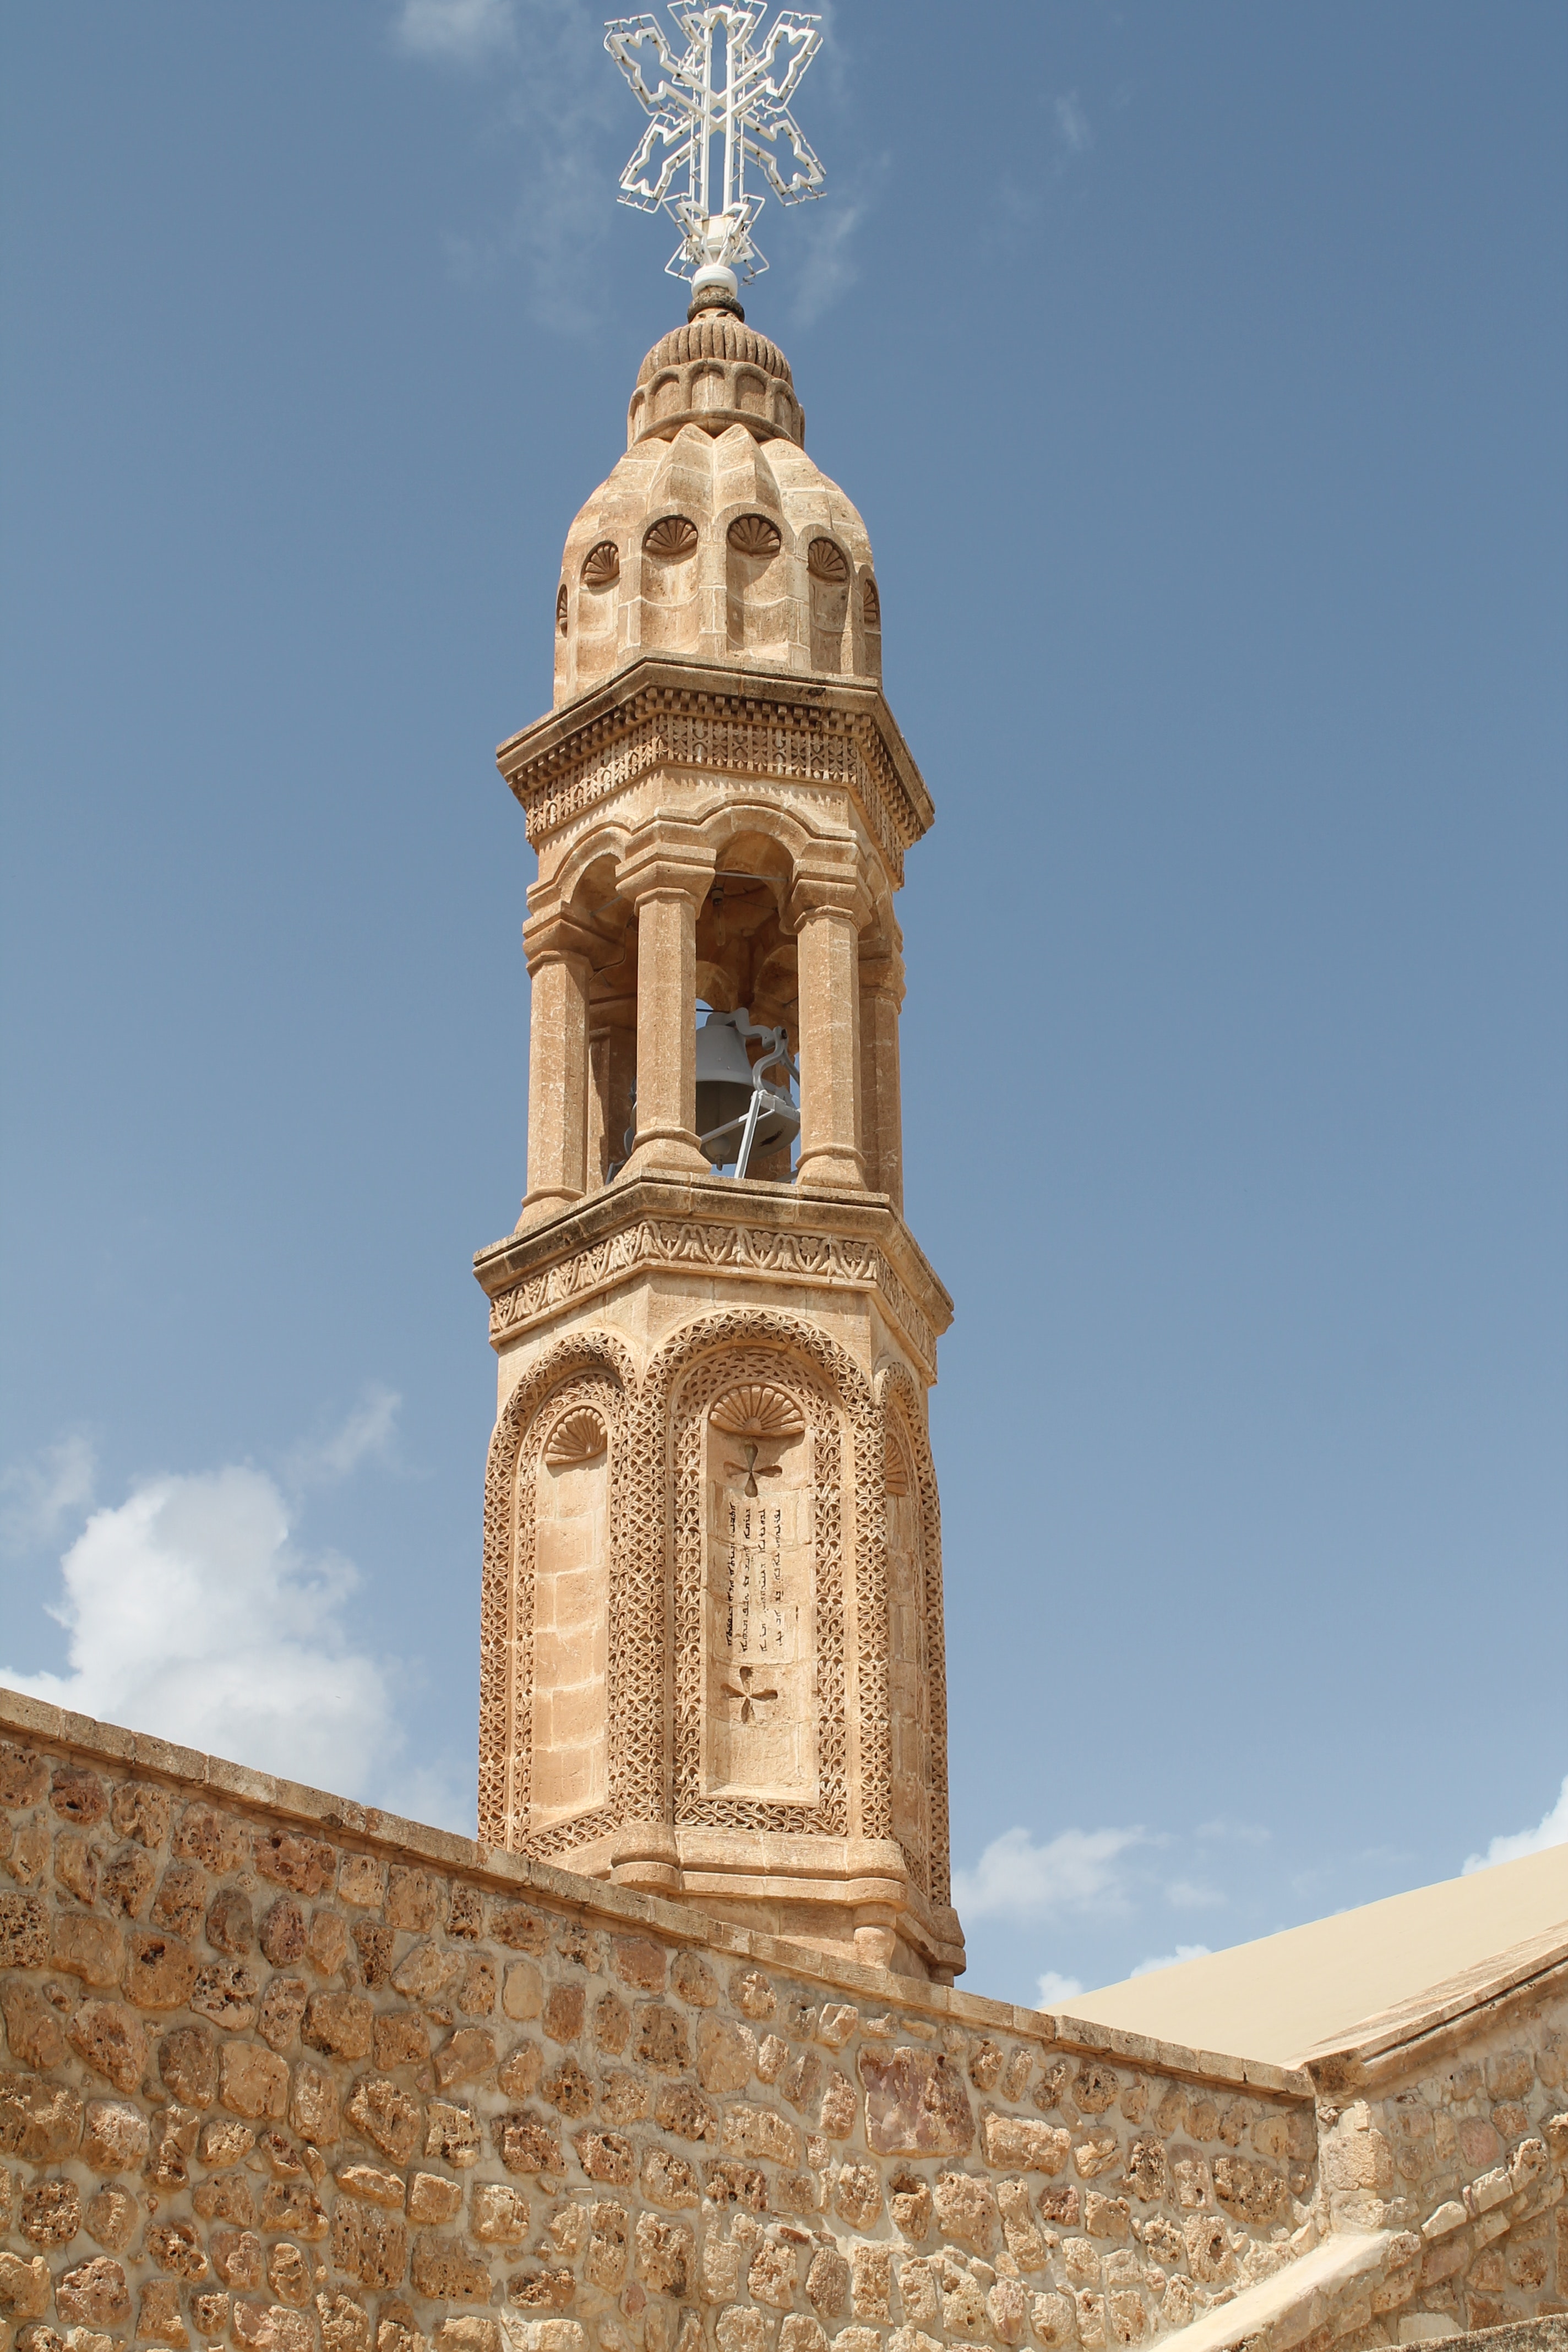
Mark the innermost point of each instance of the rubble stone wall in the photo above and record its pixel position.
(286, 2076)
(283, 2075)
(1463, 2156)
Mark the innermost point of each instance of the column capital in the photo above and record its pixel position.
(828, 887)
(882, 974)
(667, 861)
(552, 936)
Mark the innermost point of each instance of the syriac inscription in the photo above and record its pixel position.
(760, 1645)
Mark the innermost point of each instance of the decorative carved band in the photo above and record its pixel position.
(826, 1259)
(662, 728)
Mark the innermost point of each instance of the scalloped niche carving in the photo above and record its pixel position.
(578, 1437)
(755, 535)
(602, 565)
(759, 1410)
(670, 540)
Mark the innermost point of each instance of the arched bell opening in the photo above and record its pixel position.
(610, 922)
(748, 1093)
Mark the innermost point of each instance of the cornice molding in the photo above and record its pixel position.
(779, 1233)
(710, 720)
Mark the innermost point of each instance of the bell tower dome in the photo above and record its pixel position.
(713, 1663)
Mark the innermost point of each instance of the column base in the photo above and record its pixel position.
(667, 1151)
(548, 1202)
(844, 1169)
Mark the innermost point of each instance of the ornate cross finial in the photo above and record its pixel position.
(690, 107)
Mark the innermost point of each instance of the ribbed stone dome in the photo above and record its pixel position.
(715, 335)
(714, 373)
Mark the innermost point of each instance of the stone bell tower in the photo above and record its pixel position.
(712, 1618)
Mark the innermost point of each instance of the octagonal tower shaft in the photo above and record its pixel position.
(713, 1662)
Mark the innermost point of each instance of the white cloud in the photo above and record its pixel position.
(1055, 1989)
(1551, 1830)
(1191, 1894)
(465, 32)
(1170, 1959)
(365, 1435)
(190, 1613)
(41, 1498)
(1073, 133)
(1075, 1870)
(823, 265)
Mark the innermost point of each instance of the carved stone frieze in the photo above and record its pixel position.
(830, 1259)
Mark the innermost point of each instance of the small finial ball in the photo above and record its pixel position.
(714, 287)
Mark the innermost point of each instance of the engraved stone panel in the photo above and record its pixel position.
(759, 1644)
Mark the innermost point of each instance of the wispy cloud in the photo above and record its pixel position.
(1074, 136)
(459, 32)
(1075, 1870)
(1055, 1989)
(190, 1611)
(365, 1435)
(1170, 1959)
(1191, 1894)
(823, 265)
(1551, 1830)
(39, 1499)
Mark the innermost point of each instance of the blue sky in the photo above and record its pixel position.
(1200, 374)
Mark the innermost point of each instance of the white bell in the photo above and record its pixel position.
(737, 1112)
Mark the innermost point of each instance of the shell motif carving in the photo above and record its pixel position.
(824, 561)
(895, 1469)
(871, 604)
(753, 534)
(602, 565)
(561, 610)
(759, 1410)
(576, 1437)
(671, 538)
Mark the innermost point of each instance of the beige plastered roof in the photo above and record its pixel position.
(1287, 1995)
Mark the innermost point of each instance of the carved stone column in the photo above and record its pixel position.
(826, 911)
(881, 1109)
(558, 967)
(667, 882)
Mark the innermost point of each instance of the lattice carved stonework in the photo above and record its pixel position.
(906, 1453)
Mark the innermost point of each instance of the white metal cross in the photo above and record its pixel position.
(724, 87)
